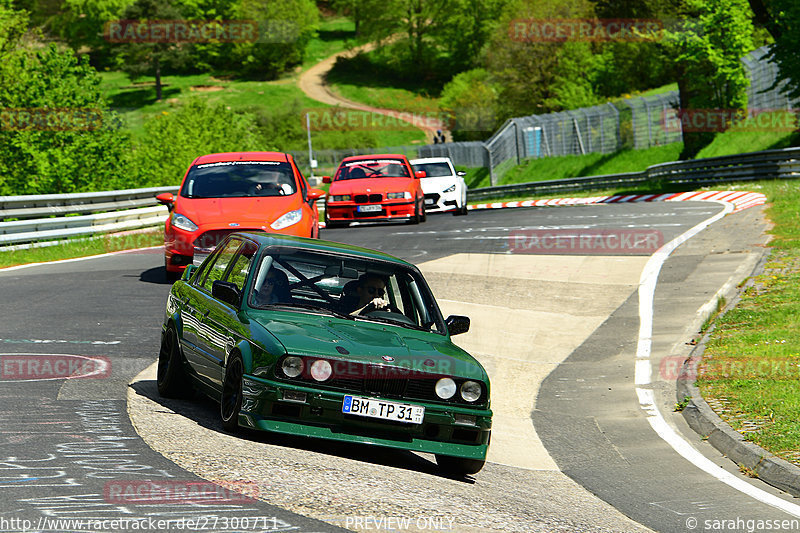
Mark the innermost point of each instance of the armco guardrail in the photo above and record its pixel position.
(108, 211)
(104, 212)
(769, 164)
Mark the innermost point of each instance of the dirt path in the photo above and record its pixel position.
(312, 83)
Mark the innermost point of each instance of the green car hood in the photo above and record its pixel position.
(369, 342)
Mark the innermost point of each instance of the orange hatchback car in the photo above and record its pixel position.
(239, 191)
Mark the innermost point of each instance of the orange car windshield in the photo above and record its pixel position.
(373, 168)
(237, 179)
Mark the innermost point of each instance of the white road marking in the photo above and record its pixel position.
(643, 373)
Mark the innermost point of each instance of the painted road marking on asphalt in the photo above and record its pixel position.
(56, 341)
(643, 373)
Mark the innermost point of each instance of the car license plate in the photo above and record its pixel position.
(374, 408)
(369, 208)
(429, 201)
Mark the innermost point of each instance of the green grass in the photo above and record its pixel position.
(389, 98)
(751, 364)
(74, 248)
(334, 35)
(595, 164)
(136, 102)
(737, 142)
(367, 80)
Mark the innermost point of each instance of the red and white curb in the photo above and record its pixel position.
(739, 199)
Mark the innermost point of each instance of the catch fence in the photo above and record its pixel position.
(634, 123)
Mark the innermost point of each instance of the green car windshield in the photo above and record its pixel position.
(344, 286)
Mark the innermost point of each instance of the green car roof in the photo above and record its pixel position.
(305, 243)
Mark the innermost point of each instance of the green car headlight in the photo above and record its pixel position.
(471, 391)
(340, 198)
(446, 388)
(292, 367)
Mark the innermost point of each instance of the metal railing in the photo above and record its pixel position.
(114, 211)
(769, 164)
(31, 218)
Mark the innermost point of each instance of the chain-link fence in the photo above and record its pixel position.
(635, 123)
(763, 93)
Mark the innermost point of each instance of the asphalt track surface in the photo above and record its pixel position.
(69, 449)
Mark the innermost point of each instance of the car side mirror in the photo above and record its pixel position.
(461, 173)
(167, 199)
(315, 194)
(419, 174)
(326, 179)
(457, 324)
(227, 292)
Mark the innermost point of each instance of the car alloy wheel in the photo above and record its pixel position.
(231, 400)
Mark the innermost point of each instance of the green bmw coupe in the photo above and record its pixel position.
(325, 340)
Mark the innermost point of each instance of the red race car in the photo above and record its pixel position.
(239, 191)
(373, 188)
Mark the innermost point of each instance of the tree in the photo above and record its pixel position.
(54, 133)
(81, 24)
(781, 18)
(286, 28)
(470, 100)
(537, 76)
(143, 58)
(706, 50)
(426, 30)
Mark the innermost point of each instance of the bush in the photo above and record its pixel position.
(175, 138)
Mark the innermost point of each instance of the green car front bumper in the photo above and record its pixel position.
(297, 410)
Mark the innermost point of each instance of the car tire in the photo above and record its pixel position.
(458, 466)
(416, 218)
(330, 224)
(230, 402)
(171, 377)
(462, 209)
(424, 212)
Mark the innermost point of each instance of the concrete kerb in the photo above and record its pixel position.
(750, 457)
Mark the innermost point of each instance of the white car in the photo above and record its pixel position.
(444, 188)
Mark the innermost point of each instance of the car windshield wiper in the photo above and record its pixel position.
(393, 322)
(312, 307)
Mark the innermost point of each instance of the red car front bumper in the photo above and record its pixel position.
(351, 212)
